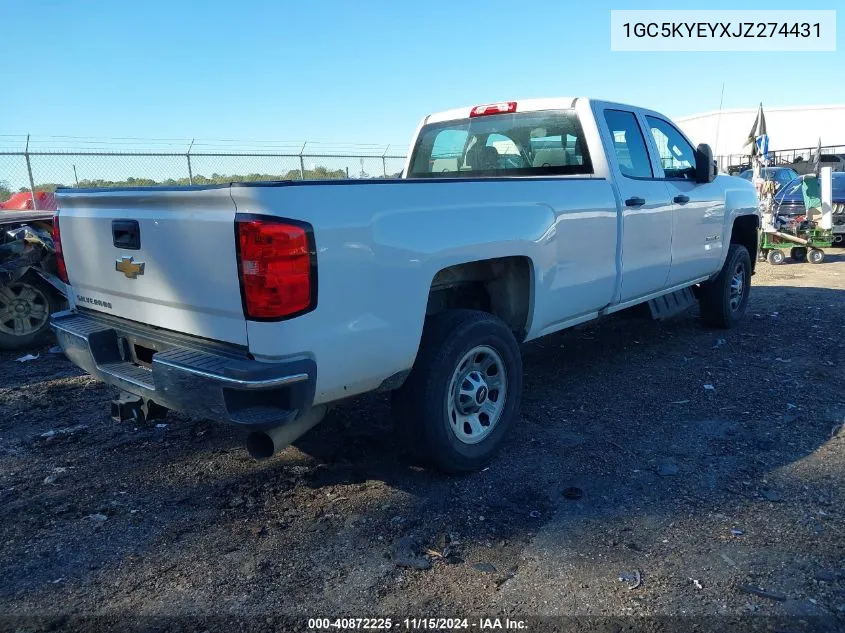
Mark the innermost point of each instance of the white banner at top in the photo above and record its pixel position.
(723, 30)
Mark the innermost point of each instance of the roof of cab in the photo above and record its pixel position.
(532, 105)
(523, 105)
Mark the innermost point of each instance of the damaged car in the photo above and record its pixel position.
(30, 291)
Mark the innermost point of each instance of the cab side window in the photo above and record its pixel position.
(629, 143)
(676, 155)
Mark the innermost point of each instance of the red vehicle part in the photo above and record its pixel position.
(22, 201)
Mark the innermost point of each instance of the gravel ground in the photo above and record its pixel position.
(659, 468)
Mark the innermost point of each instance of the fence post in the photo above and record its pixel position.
(302, 162)
(190, 171)
(384, 160)
(29, 171)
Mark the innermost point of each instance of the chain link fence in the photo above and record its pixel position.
(31, 171)
(31, 167)
(782, 157)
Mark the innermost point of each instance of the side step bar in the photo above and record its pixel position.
(672, 304)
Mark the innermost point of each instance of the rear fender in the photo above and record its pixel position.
(476, 233)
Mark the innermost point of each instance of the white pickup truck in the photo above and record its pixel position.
(260, 304)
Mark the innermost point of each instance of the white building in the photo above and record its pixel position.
(788, 128)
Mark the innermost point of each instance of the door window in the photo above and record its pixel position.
(629, 143)
(676, 155)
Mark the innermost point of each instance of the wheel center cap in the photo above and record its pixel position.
(481, 394)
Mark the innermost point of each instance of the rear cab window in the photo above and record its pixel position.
(541, 143)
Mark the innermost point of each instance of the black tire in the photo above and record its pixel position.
(798, 253)
(776, 257)
(46, 299)
(720, 306)
(421, 406)
(815, 256)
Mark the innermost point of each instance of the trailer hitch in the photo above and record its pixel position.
(131, 408)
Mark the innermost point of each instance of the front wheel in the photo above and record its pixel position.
(723, 300)
(462, 396)
(776, 257)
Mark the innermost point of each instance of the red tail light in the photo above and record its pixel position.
(61, 268)
(277, 267)
(494, 108)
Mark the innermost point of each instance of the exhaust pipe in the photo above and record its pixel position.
(265, 444)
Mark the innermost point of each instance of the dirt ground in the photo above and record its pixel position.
(707, 467)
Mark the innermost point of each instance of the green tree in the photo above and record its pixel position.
(5, 192)
(318, 173)
(45, 186)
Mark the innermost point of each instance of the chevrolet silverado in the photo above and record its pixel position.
(260, 304)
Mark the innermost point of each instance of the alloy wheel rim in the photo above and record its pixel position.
(24, 309)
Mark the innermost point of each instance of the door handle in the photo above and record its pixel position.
(126, 234)
(635, 202)
(681, 199)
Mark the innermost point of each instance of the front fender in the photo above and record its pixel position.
(739, 202)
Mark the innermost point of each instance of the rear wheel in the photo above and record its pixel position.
(815, 256)
(462, 395)
(723, 300)
(776, 256)
(25, 309)
(798, 253)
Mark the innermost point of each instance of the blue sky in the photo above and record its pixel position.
(354, 72)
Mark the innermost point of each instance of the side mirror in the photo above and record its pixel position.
(704, 164)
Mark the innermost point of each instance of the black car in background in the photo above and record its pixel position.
(781, 175)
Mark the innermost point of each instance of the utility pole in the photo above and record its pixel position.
(190, 170)
(384, 160)
(29, 171)
(719, 120)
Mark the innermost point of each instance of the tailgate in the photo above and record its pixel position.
(180, 273)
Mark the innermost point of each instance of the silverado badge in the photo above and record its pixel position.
(129, 267)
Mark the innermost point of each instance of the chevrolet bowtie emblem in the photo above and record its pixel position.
(129, 267)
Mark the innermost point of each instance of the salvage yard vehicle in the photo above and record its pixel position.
(29, 289)
(260, 304)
